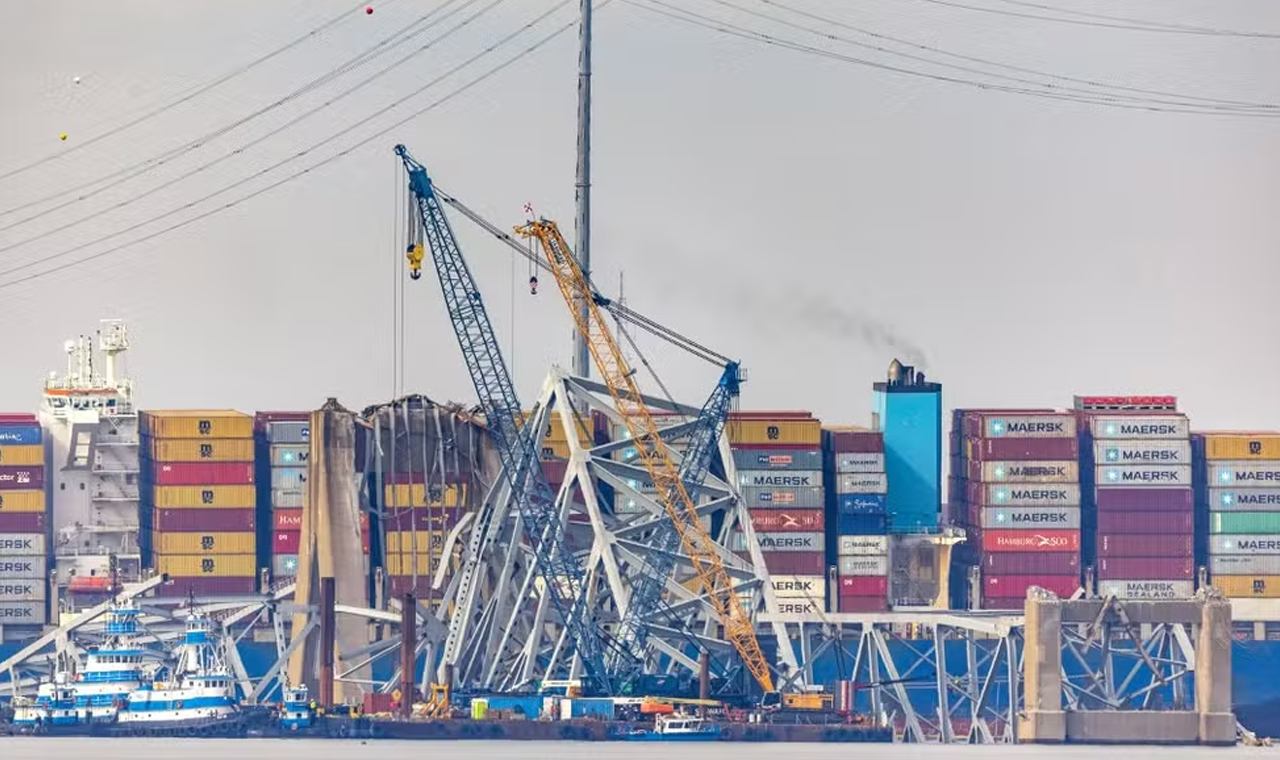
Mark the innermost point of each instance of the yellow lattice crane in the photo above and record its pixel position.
(709, 570)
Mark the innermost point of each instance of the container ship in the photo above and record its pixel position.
(1114, 495)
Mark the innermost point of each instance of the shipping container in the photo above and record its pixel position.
(195, 450)
(865, 565)
(787, 479)
(262, 421)
(799, 587)
(783, 498)
(1124, 499)
(994, 603)
(284, 565)
(1143, 427)
(775, 432)
(21, 435)
(216, 566)
(22, 501)
(1014, 586)
(31, 590)
(1223, 564)
(1129, 404)
(1021, 449)
(287, 519)
(207, 520)
(25, 478)
(205, 586)
(1031, 518)
(416, 495)
(290, 455)
(1244, 544)
(1146, 589)
(1244, 522)
(196, 423)
(863, 604)
(204, 543)
(286, 542)
(1031, 563)
(861, 503)
(1245, 499)
(194, 497)
(863, 545)
(810, 608)
(864, 585)
(1139, 545)
(412, 542)
(1024, 472)
(1248, 586)
(862, 525)
(22, 613)
(1142, 452)
(1025, 495)
(1145, 475)
(14, 456)
(289, 499)
(788, 520)
(422, 564)
(1244, 474)
(202, 474)
(21, 545)
(853, 441)
(289, 432)
(778, 459)
(792, 563)
(22, 522)
(1123, 568)
(861, 483)
(288, 478)
(12, 568)
(853, 462)
(1031, 540)
(1145, 522)
(997, 425)
(1242, 445)
(782, 542)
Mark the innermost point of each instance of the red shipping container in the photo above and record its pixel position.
(1014, 586)
(203, 474)
(1031, 563)
(262, 419)
(1022, 449)
(1136, 545)
(1146, 568)
(1146, 522)
(204, 520)
(794, 563)
(1013, 603)
(18, 418)
(22, 522)
(291, 519)
(770, 414)
(1144, 499)
(206, 587)
(454, 476)
(26, 478)
(864, 585)
(863, 603)
(1031, 540)
(286, 541)
(439, 518)
(788, 520)
(853, 441)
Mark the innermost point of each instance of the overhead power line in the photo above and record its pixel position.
(82, 144)
(1133, 25)
(301, 172)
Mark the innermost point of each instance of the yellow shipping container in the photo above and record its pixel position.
(11, 456)
(404, 564)
(1248, 586)
(555, 429)
(204, 497)
(403, 541)
(1242, 445)
(197, 423)
(196, 450)
(22, 501)
(204, 543)
(218, 566)
(405, 495)
(784, 432)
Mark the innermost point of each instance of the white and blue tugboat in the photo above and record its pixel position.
(53, 711)
(297, 712)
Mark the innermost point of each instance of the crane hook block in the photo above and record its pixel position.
(533, 286)
(414, 254)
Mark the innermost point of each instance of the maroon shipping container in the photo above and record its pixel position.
(853, 441)
(205, 587)
(203, 474)
(439, 518)
(1146, 522)
(1014, 586)
(1146, 568)
(21, 478)
(794, 563)
(399, 585)
(286, 541)
(1029, 540)
(18, 418)
(1014, 603)
(262, 419)
(776, 447)
(788, 520)
(771, 414)
(204, 520)
(555, 469)
(1022, 449)
(22, 522)
(1031, 563)
(462, 474)
(1137, 545)
(1144, 499)
(863, 603)
(864, 585)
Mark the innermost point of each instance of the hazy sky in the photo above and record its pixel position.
(811, 217)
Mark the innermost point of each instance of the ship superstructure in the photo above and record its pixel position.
(92, 431)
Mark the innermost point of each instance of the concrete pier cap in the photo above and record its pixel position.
(1045, 720)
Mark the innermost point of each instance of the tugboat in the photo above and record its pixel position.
(53, 711)
(677, 728)
(297, 713)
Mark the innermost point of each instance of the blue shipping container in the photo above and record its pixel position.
(19, 435)
(591, 708)
(529, 706)
(861, 525)
(860, 503)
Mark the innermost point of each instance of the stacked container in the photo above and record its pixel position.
(623, 503)
(199, 521)
(1016, 489)
(778, 459)
(24, 523)
(1137, 473)
(1238, 491)
(283, 454)
(856, 486)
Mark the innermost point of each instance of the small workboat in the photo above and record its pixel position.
(677, 728)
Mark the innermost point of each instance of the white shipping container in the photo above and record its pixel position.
(285, 565)
(799, 587)
(1244, 474)
(21, 545)
(1239, 564)
(290, 455)
(780, 478)
(863, 545)
(783, 498)
(1119, 427)
(289, 499)
(21, 567)
(861, 482)
(1244, 500)
(1142, 452)
(790, 542)
(1028, 426)
(34, 590)
(289, 431)
(1030, 472)
(801, 607)
(1032, 495)
(1039, 518)
(1152, 589)
(1237, 543)
(1145, 475)
(288, 478)
(848, 463)
(777, 459)
(22, 613)
(864, 565)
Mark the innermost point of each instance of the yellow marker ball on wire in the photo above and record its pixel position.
(63, 137)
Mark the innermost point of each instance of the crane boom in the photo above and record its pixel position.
(517, 448)
(675, 498)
